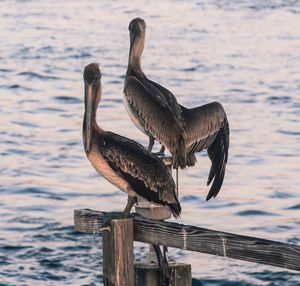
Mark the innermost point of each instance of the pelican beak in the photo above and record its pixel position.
(88, 116)
(132, 39)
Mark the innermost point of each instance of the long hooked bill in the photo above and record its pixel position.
(88, 117)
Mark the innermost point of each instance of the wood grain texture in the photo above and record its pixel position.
(199, 239)
(147, 274)
(118, 259)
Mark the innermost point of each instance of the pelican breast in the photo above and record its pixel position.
(102, 167)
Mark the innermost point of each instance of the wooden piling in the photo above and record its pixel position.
(117, 246)
(147, 274)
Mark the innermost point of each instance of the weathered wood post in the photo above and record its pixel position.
(147, 271)
(117, 244)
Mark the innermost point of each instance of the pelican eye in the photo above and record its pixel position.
(96, 78)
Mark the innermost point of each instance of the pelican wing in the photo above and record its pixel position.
(145, 87)
(145, 173)
(154, 111)
(207, 128)
(170, 98)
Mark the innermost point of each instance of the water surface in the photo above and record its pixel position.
(243, 54)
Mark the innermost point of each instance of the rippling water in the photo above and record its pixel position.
(244, 54)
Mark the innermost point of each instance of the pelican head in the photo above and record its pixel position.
(137, 32)
(92, 96)
(137, 27)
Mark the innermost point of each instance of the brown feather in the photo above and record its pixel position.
(153, 112)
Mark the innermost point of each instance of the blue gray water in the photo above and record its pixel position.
(245, 54)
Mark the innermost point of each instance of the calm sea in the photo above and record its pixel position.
(245, 54)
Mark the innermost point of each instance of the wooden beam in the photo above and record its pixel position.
(117, 244)
(198, 239)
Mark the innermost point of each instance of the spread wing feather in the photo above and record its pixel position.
(203, 122)
(218, 154)
(207, 128)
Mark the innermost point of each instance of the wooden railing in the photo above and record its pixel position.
(191, 238)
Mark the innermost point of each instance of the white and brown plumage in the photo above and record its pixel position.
(123, 162)
(183, 131)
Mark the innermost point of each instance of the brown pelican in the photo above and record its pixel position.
(156, 112)
(123, 162)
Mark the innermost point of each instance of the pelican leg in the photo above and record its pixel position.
(165, 249)
(177, 182)
(151, 143)
(166, 264)
(161, 152)
(130, 202)
(164, 279)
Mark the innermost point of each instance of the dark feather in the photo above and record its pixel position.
(207, 128)
(146, 174)
(218, 154)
